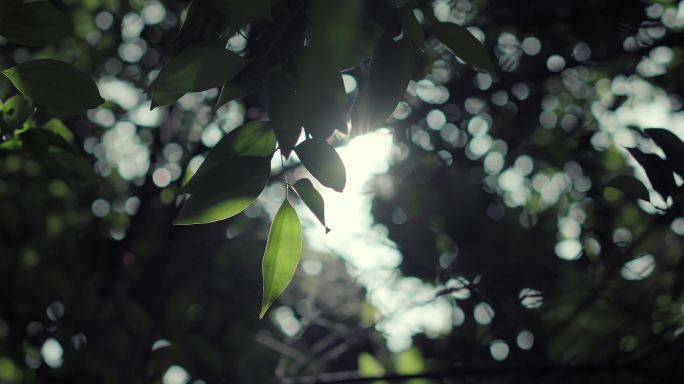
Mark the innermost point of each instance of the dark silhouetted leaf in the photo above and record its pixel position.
(671, 145)
(312, 198)
(630, 186)
(240, 88)
(241, 13)
(198, 68)
(464, 45)
(16, 110)
(160, 99)
(658, 171)
(321, 159)
(361, 47)
(35, 23)
(283, 249)
(55, 85)
(412, 27)
(252, 139)
(283, 109)
(390, 73)
(225, 190)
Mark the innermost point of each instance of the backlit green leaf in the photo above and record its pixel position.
(464, 45)
(369, 366)
(239, 88)
(283, 249)
(410, 362)
(312, 198)
(283, 109)
(35, 23)
(226, 189)
(390, 73)
(321, 159)
(198, 68)
(255, 138)
(160, 99)
(55, 85)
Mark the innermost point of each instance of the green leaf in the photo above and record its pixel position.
(227, 189)
(321, 159)
(55, 85)
(630, 186)
(283, 249)
(671, 145)
(35, 23)
(198, 68)
(16, 110)
(463, 45)
(312, 198)
(283, 109)
(252, 139)
(412, 27)
(390, 73)
(658, 171)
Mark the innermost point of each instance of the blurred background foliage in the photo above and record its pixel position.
(494, 251)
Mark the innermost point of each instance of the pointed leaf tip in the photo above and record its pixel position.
(312, 199)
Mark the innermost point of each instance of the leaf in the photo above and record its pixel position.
(35, 23)
(252, 139)
(410, 362)
(283, 249)
(240, 13)
(161, 99)
(671, 145)
(321, 93)
(630, 186)
(463, 45)
(412, 27)
(658, 171)
(7, 6)
(16, 110)
(312, 198)
(229, 188)
(323, 162)
(198, 68)
(56, 85)
(390, 73)
(362, 45)
(283, 108)
(239, 88)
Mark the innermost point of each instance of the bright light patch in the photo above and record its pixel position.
(175, 375)
(639, 268)
(52, 352)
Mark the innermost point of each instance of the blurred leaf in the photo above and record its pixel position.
(224, 190)
(410, 362)
(283, 108)
(362, 46)
(16, 110)
(369, 366)
(35, 23)
(412, 27)
(283, 249)
(671, 145)
(55, 85)
(198, 68)
(321, 159)
(390, 72)
(658, 171)
(464, 45)
(138, 320)
(56, 126)
(8, 5)
(630, 186)
(312, 198)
